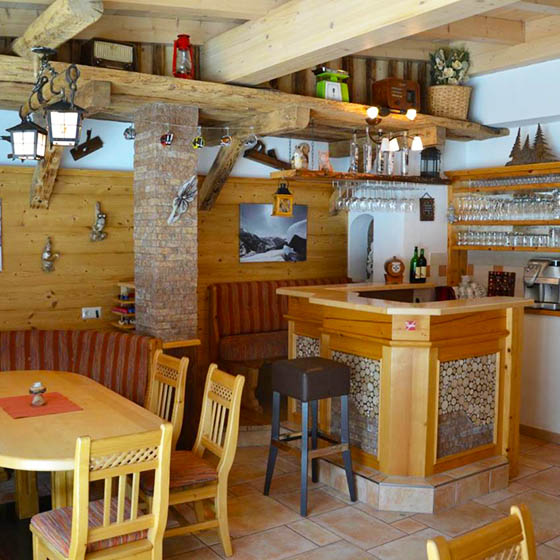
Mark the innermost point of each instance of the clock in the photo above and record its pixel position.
(394, 271)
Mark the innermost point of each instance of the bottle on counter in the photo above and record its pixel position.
(414, 266)
(422, 267)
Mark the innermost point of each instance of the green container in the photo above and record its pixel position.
(332, 85)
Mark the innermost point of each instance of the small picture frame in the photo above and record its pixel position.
(427, 208)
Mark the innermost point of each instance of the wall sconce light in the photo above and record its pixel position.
(417, 144)
(375, 113)
(283, 202)
(29, 140)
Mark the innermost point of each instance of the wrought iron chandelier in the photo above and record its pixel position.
(63, 117)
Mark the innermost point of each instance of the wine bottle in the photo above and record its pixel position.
(422, 267)
(414, 267)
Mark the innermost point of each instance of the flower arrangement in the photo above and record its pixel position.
(449, 66)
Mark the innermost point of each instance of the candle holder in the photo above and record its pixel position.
(37, 390)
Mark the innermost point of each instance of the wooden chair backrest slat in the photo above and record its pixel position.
(219, 419)
(507, 539)
(123, 458)
(166, 391)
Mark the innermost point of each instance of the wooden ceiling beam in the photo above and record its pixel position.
(61, 21)
(215, 10)
(302, 33)
(404, 49)
(131, 90)
(284, 120)
(480, 28)
(542, 44)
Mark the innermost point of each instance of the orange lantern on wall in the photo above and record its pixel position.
(183, 59)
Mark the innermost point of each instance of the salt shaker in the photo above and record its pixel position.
(37, 390)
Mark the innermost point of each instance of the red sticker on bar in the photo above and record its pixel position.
(410, 325)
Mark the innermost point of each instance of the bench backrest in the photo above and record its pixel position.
(254, 307)
(120, 361)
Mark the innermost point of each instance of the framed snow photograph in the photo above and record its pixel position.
(267, 238)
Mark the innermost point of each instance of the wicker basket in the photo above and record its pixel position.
(449, 101)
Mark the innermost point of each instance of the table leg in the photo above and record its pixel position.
(27, 497)
(62, 483)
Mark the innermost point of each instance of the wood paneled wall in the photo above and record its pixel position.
(218, 256)
(86, 272)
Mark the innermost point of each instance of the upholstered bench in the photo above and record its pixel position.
(248, 328)
(120, 361)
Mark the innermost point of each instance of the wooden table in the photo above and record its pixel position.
(47, 443)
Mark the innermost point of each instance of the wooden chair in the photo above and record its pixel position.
(114, 527)
(507, 539)
(166, 390)
(192, 478)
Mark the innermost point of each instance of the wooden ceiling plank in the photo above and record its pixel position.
(404, 49)
(149, 29)
(303, 33)
(61, 21)
(480, 28)
(216, 10)
(284, 120)
(546, 7)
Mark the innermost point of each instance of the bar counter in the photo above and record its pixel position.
(435, 385)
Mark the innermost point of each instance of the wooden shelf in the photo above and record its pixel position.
(121, 314)
(533, 311)
(499, 248)
(312, 175)
(529, 170)
(507, 223)
(124, 301)
(126, 284)
(508, 188)
(123, 327)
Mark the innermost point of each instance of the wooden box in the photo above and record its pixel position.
(396, 94)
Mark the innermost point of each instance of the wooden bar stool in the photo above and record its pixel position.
(309, 380)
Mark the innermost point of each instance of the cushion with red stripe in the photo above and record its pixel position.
(117, 360)
(253, 307)
(55, 527)
(255, 346)
(15, 350)
(187, 469)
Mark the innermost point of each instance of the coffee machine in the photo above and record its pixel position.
(541, 279)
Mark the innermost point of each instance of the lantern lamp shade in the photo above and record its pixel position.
(283, 202)
(29, 140)
(64, 123)
(430, 163)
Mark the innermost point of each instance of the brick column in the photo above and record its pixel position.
(165, 256)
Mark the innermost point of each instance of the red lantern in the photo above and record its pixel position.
(183, 59)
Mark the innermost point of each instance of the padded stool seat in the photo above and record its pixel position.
(310, 379)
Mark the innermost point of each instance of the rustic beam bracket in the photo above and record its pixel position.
(285, 120)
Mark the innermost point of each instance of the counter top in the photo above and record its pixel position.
(345, 296)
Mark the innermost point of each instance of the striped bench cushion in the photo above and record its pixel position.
(117, 360)
(187, 469)
(55, 527)
(254, 307)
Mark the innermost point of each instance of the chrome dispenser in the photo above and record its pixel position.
(541, 279)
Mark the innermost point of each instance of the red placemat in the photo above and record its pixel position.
(20, 407)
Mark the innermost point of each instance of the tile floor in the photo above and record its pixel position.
(270, 528)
